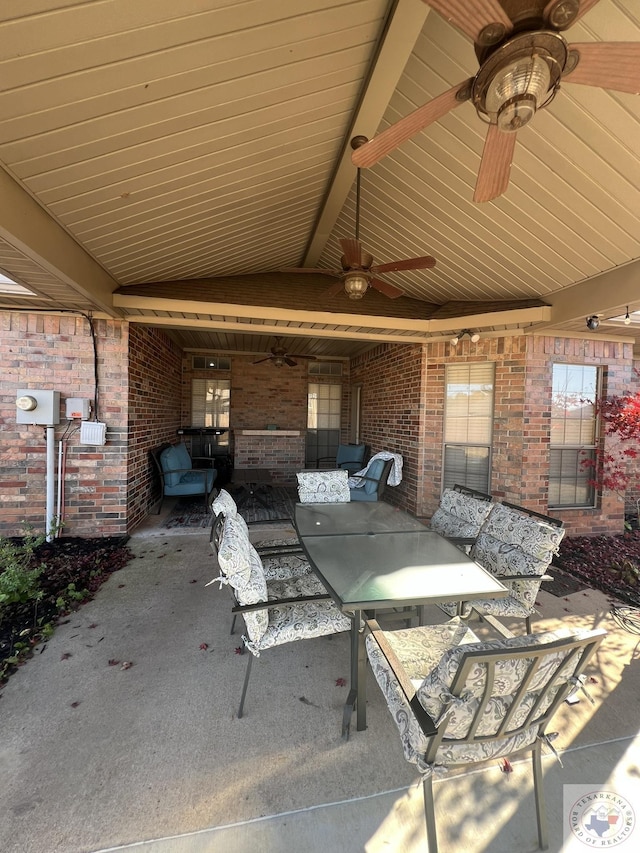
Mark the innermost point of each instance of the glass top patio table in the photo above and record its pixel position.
(387, 559)
(371, 556)
(329, 519)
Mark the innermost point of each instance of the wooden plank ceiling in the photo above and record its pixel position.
(206, 143)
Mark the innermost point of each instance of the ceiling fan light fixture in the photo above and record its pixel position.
(520, 77)
(517, 90)
(355, 285)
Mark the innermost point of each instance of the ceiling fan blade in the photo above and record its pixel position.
(495, 166)
(424, 263)
(290, 361)
(385, 287)
(260, 360)
(311, 269)
(352, 251)
(608, 65)
(472, 16)
(386, 142)
(308, 357)
(335, 289)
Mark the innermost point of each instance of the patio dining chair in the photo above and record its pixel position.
(460, 515)
(516, 545)
(278, 611)
(458, 701)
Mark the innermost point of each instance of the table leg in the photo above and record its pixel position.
(357, 698)
(361, 697)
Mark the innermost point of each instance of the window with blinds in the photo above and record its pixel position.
(573, 434)
(210, 402)
(468, 425)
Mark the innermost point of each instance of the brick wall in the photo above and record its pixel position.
(55, 352)
(155, 378)
(282, 455)
(521, 428)
(392, 416)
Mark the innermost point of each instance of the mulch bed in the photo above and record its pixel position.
(608, 563)
(85, 563)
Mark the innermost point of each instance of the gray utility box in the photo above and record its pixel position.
(37, 407)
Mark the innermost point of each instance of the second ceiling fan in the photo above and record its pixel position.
(523, 59)
(358, 272)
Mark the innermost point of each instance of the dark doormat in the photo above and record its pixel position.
(562, 583)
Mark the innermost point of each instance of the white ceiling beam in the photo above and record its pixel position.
(26, 226)
(607, 294)
(403, 26)
(227, 314)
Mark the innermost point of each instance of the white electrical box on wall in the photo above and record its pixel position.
(37, 407)
(76, 407)
(93, 432)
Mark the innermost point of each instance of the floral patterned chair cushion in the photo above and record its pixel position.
(280, 624)
(417, 650)
(284, 566)
(513, 543)
(323, 486)
(459, 514)
(225, 504)
(234, 552)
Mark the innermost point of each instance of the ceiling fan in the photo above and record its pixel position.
(523, 58)
(358, 272)
(279, 356)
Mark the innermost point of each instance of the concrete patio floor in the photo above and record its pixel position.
(151, 757)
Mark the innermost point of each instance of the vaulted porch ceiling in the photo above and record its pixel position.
(148, 146)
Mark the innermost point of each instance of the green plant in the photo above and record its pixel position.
(19, 578)
(70, 594)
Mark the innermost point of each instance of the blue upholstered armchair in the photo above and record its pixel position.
(178, 477)
(350, 457)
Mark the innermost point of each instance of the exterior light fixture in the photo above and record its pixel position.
(474, 337)
(519, 78)
(355, 285)
(593, 322)
(627, 318)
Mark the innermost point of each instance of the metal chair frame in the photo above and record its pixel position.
(580, 647)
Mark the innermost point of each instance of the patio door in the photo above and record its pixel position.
(323, 422)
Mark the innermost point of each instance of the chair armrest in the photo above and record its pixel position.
(423, 719)
(495, 623)
(363, 478)
(326, 460)
(278, 602)
(208, 459)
